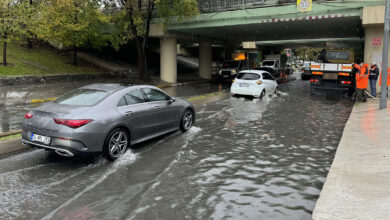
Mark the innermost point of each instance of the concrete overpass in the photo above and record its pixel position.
(345, 22)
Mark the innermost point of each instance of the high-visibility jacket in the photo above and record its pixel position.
(374, 72)
(361, 76)
(388, 77)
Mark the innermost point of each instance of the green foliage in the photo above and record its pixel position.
(137, 12)
(72, 23)
(12, 20)
(177, 10)
(312, 53)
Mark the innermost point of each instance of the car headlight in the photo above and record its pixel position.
(234, 71)
(220, 72)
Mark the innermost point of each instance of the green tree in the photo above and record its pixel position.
(73, 23)
(132, 20)
(310, 53)
(12, 21)
(31, 21)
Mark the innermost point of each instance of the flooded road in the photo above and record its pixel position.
(243, 159)
(11, 114)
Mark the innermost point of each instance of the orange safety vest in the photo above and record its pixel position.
(388, 77)
(361, 76)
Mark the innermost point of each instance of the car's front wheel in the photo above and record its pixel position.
(187, 120)
(116, 144)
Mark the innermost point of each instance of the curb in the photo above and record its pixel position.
(197, 100)
(21, 80)
(163, 86)
(9, 133)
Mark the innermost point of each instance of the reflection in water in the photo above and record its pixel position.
(245, 159)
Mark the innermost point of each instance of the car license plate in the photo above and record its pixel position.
(40, 138)
(243, 85)
(226, 76)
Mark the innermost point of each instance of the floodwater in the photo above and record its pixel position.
(243, 159)
(12, 111)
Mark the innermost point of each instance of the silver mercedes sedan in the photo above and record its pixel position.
(105, 118)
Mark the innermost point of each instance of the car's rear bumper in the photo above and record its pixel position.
(245, 91)
(326, 88)
(61, 150)
(69, 145)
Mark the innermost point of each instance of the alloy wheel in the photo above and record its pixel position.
(187, 120)
(118, 144)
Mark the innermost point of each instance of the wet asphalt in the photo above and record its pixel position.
(12, 110)
(243, 159)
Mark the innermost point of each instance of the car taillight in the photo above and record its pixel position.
(28, 115)
(259, 82)
(72, 123)
(314, 81)
(346, 82)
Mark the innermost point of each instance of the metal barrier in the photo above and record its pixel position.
(207, 6)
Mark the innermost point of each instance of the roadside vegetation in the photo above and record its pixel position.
(41, 60)
(15, 136)
(76, 24)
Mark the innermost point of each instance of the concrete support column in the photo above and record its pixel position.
(205, 59)
(373, 52)
(168, 60)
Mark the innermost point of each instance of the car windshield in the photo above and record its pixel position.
(268, 63)
(248, 76)
(82, 97)
(230, 64)
(306, 64)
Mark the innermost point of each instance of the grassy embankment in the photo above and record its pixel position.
(14, 136)
(41, 60)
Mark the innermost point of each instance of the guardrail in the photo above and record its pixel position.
(207, 6)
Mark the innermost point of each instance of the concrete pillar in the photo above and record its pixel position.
(205, 60)
(373, 23)
(168, 60)
(373, 44)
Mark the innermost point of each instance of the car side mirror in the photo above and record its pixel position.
(172, 99)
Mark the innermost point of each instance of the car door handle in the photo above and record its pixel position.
(129, 113)
(157, 108)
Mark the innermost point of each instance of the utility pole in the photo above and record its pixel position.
(385, 55)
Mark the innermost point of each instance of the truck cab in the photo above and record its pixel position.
(274, 64)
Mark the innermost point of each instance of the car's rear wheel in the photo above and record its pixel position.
(187, 120)
(116, 144)
(262, 95)
(276, 89)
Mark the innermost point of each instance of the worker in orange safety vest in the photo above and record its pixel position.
(361, 82)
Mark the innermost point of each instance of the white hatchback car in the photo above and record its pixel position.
(255, 83)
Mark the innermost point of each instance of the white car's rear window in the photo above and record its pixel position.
(248, 76)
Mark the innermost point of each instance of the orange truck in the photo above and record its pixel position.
(333, 72)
